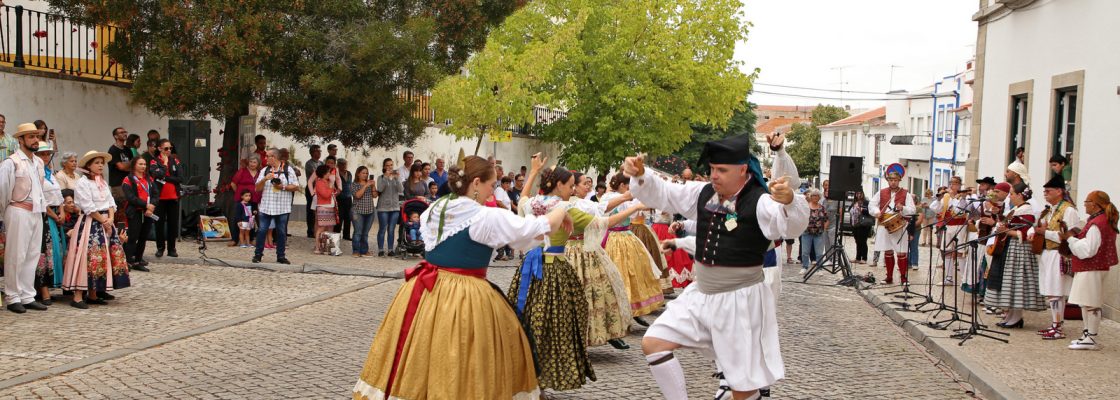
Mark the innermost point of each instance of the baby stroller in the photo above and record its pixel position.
(406, 247)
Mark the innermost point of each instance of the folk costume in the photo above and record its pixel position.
(1013, 281)
(23, 205)
(953, 219)
(1094, 253)
(727, 313)
(608, 307)
(449, 333)
(95, 258)
(634, 263)
(1055, 271)
(883, 205)
(49, 273)
(679, 262)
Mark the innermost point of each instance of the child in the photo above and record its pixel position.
(433, 192)
(413, 227)
(70, 211)
(244, 216)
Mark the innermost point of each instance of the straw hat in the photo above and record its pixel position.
(92, 154)
(25, 129)
(45, 148)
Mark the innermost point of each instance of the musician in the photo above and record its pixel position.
(953, 213)
(991, 212)
(1055, 275)
(1094, 253)
(889, 202)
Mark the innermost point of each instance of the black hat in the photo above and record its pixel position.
(989, 180)
(1056, 182)
(734, 150)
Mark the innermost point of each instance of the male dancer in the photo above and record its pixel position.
(727, 313)
(22, 204)
(892, 200)
(1055, 274)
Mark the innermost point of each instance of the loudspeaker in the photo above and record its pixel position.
(844, 175)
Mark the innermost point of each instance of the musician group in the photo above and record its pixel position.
(1035, 251)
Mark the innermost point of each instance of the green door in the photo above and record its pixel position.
(192, 144)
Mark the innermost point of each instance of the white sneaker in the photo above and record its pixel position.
(1086, 342)
(804, 270)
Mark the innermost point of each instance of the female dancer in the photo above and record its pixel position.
(633, 261)
(95, 260)
(1013, 280)
(449, 334)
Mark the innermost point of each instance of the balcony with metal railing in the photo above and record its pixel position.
(915, 147)
(36, 40)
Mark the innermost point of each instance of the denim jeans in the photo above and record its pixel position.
(811, 242)
(913, 256)
(280, 233)
(386, 221)
(362, 224)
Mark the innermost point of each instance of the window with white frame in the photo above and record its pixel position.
(1065, 124)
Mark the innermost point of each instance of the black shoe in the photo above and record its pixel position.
(106, 296)
(37, 306)
(79, 304)
(618, 344)
(172, 253)
(143, 263)
(1010, 326)
(641, 321)
(381, 254)
(159, 253)
(283, 261)
(256, 259)
(391, 254)
(764, 392)
(17, 308)
(347, 239)
(47, 302)
(139, 267)
(99, 302)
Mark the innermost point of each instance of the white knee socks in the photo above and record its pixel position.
(669, 375)
(1092, 317)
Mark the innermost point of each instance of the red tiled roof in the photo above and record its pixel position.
(962, 107)
(880, 112)
(774, 124)
(786, 108)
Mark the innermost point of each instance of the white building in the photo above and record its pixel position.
(861, 135)
(1048, 80)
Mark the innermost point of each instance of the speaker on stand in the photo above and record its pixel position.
(844, 179)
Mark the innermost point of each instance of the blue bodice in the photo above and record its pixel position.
(459, 251)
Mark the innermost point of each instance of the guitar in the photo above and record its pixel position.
(1039, 242)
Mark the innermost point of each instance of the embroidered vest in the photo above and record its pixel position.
(1106, 253)
(745, 246)
(886, 202)
(1057, 214)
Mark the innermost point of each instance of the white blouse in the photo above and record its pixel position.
(52, 192)
(493, 227)
(90, 198)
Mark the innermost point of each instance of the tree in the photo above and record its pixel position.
(742, 122)
(631, 76)
(805, 139)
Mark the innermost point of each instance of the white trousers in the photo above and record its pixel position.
(21, 253)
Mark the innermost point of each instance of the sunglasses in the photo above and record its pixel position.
(166, 148)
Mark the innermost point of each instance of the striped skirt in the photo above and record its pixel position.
(1018, 287)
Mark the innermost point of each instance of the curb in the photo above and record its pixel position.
(274, 267)
(983, 381)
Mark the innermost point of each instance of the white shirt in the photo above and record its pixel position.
(1086, 248)
(277, 201)
(19, 165)
(503, 198)
(52, 191)
(90, 197)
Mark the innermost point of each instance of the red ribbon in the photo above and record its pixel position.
(425, 275)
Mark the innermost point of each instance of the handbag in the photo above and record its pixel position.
(866, 221)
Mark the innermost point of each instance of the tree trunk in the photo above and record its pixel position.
(230, 162)
(479, 143)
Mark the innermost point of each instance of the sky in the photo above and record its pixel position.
(810, 43)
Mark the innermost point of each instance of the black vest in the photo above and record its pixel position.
(743, 247)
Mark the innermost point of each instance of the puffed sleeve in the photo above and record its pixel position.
(909, 208)
(784, 166)
(667, 196)
(873, 206)
(498, 227)
(83, 196)
(687, 243)
(779, 221)
(1087, 247)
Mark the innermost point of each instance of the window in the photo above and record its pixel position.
(852, 150)
(876, 143)
(843, 143)
(940, 125)
(1018, 126)
(828, 153)
(1065, 124)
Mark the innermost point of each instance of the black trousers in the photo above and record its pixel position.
(167, 228)
(138, 227)
(310, 213)
(861, 234)
(345, 205)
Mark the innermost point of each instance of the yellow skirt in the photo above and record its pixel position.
(634, 264)
(465, 343)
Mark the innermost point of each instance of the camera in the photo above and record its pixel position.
(275, 181)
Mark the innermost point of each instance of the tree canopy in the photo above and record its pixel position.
(630, 76)
(806, 139)
(741, 123)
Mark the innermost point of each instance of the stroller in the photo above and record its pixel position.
(406, 247)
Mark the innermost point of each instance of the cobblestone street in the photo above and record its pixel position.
(186, 331)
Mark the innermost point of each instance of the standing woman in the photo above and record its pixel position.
(448, 334)
(95, 260)
(813, 238)
(417, 184)
(632, 259)
(139, 209)
(364, 193)
(326, 209)
(245, 180)
(68, 176)
(345, 200)
(166, 171)
(132, 144)
(858, 212)
(388, 205)
(1013, 279)
(53, 251)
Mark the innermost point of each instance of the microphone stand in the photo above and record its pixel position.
(975, 328)
(942, 227)
(942, 305)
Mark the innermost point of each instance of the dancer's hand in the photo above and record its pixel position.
(634, 166)
(776, 140)
(675, 226)
(780, 190)
(668, 245)
(537, 162)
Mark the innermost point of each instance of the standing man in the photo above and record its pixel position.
(153, 135)
(278, 184)
(954, 211)
(310, 166)
(332, 150)
(120, 164)
(21, 197)
(687, 175)
(344, 198)
(406, 164)
(439, 175)
(832, 207)
(727, 312)
(260, 142)
(892, 201)
(1055, 272)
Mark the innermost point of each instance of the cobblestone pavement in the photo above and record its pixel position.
(834, 343)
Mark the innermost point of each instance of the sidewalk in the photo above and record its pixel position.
(1025, 368)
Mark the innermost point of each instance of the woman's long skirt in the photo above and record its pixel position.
(52, 258)
(608, 308)
(95, 258)
(464, 342)
(635, 266)
(1015, 284)
(680, 264)
(555, 313)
